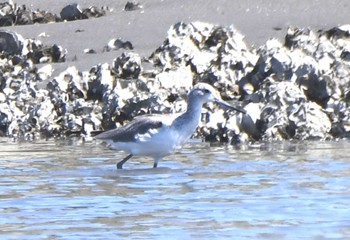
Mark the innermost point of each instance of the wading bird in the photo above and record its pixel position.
(159, 135)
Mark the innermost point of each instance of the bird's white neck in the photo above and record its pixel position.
(187, 122)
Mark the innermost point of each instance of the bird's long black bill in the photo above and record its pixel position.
(236, 108)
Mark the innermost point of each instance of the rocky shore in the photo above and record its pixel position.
(292, 89)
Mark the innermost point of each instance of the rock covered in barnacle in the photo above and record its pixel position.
(215, 54)
(25, 107)
(73, 12)
(18, 49)
(127, 66)
(299, 82)
(116, 44)
(12, 14)
(297, 89)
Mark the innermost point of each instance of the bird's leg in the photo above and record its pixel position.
(120, 164)
(155, 164)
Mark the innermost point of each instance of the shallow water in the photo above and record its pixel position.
(71, 190)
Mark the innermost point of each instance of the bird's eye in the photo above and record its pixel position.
(206, 91)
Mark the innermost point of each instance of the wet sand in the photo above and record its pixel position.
(258, 20)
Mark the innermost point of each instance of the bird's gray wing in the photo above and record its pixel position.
(128, 132)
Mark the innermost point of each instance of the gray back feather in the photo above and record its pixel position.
(127, 133)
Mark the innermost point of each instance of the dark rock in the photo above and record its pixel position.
(71, 12)
(10, 42)
(131, 6)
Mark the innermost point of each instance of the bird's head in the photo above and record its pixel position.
(204, 93)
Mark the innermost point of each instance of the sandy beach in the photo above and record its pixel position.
(147, 28)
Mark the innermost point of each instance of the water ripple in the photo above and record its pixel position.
(287, 190)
